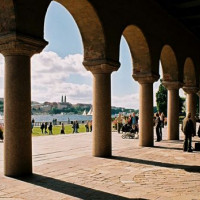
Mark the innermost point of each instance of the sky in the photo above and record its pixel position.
(58, 69)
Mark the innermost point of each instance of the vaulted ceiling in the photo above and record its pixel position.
(185, 11)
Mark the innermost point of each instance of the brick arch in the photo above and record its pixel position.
(27, 18)
(189, 73)
(169, 64)
(139, 49)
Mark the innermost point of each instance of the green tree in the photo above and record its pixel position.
(161, 99)
(182, 106)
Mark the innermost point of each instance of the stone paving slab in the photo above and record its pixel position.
(64, 169)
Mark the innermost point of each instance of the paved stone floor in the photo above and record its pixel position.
(64, 169)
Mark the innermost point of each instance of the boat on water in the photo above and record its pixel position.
(90, 113)
(84, 112)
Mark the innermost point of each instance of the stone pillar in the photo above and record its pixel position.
(146, 133)
(191, 104)
(17, 103)
(101, 124)
(173, 109)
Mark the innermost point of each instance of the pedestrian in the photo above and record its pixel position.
(42, 127)
(162, 118)
(119, 123)
(50, 129)
(90, 126)
(74, 126)
(157, 124)
(45, 127)
(189, 131)
(134, 122)
(1, 133)
(87, 126)
(62, 129)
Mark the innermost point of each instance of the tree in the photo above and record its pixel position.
(182, 108)
(161, 99)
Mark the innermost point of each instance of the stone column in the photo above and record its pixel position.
(191, 104)
(173, 109)
(146, 133)
(17, 103)
(101, 124)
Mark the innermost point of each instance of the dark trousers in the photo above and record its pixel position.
(187, 146)
(119, 126)
(158, 133)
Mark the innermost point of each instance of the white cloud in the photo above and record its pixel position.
(50, 62)
(51, 78)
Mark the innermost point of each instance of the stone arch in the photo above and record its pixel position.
(189, 73)
(25, 18)
(139, 49)
(169, 64)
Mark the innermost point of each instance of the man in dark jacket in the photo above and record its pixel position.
(189, 131)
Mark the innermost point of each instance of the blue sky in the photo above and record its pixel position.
(58, 70)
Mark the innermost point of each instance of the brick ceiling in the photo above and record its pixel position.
(185, 11)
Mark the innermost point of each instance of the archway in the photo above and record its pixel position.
(190, 87)
(31, 41)
(139, 49)
(144, 74)
(169, 102)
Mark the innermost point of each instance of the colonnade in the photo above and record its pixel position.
(18, 147)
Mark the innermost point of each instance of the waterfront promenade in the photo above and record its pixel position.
(64, 169)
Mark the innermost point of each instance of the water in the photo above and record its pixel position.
(61, 118)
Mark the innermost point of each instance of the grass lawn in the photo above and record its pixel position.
(56, 130)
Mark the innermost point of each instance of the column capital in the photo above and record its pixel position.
(172, 85)
(144, 78)
(190, 89)
(101, 66)
(14, 44)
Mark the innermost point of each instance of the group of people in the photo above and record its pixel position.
(75, 126)
(44, 127)
(131, 121)
(159, 122)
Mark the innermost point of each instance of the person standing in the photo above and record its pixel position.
(50, 129)
(162, 118)
(189, 131)
(87, 126)
(119, 123)
(134, 122)
(90, 126)
(42, 127)
(1, 133)
(45, 127)
(74, 126)
(157, 124)
(62, 129)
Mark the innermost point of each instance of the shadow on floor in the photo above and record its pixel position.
(174, 148)
(188, 168)
(71, 189)
(172, 141)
